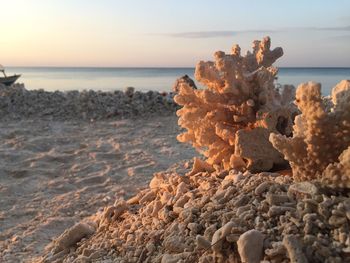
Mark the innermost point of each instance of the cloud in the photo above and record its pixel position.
(337, 28)
(213, 34)
(230, 33)
(204, 34)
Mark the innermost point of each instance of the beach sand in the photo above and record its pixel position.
(54, 173)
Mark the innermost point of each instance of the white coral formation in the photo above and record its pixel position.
(319, 148)
(241, 103)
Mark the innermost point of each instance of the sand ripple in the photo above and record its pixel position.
(53, 174)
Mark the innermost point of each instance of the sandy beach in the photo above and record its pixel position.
(246, 171)
(175, 132)
(55, 173)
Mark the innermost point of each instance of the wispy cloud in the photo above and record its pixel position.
(204, 34)
(336, 28)
(230, 33)
(213, 34)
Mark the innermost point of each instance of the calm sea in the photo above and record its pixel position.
(144, 79)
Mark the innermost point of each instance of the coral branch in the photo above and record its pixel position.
(241, 97)
(338, 174)
(321, 136)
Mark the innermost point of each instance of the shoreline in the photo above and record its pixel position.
(160, 79)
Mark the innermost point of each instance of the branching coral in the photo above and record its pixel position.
(230, 121)
(319, 148)
(338, 174)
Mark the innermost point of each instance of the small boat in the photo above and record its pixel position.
(7, 80)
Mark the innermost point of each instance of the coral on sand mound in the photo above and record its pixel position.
(231, 120)
(16, 102)
(319, 148)
(215, 217)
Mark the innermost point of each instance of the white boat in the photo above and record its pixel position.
(7, 80)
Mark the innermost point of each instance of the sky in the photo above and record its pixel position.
(170, 33)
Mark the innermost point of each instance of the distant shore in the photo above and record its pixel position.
(16, 102)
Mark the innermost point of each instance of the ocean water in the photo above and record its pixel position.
(144, 79)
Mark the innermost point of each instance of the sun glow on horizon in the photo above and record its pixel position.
(136, 33)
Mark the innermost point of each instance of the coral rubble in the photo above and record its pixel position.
(16, 102)
(230, 121)
(219, 217)
(319, 148)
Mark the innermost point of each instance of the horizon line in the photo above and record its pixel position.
(159, 67)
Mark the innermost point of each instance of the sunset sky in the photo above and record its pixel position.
(170, 33)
